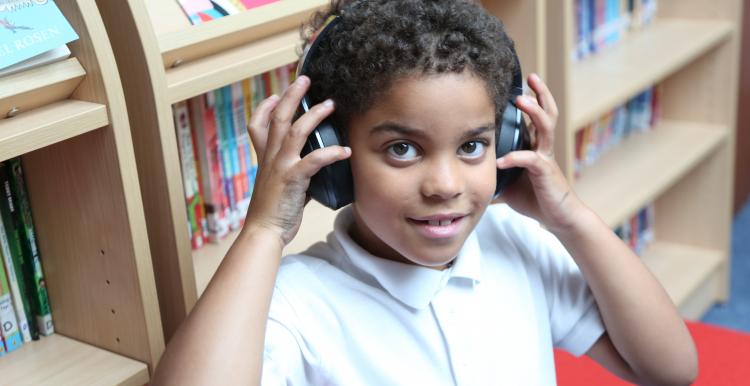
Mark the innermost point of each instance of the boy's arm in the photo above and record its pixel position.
(646, 340)
(221, 341)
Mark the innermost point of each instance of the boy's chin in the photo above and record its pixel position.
(437, 259)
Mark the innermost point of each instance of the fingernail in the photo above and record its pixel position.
(535, 77)
(273, 97)
(328, 103)
(302, 80)
(347, 150)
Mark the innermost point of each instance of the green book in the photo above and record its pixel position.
(11, 334)
(24, 271)
(12, 279)
(30, 249)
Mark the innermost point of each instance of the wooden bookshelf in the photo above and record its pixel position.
(71, 130)
(57, 360)
(684, 165)
(163, 59)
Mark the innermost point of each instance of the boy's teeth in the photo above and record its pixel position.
(440, 222)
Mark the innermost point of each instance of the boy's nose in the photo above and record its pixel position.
(443, 180)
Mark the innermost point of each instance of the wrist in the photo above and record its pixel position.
(581, 222)
(262, 233)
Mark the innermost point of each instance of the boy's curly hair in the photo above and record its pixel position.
(376, 42)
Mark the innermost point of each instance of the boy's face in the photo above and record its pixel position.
(423, 162)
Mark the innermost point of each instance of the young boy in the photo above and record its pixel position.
(422, 281)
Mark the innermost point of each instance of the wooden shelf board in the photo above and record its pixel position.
(609, 79)
(202, 75)
(40, 86)
(56, 361)
(683, 269)
(48, 125)
(643, 166)
(199, 41)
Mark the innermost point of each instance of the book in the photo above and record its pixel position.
(638, 115)
(23, 270)
(11, 334)
(54, 55)
(15, 289)
(189, 173)
(30, 28)
(216, 208)
(30, 249)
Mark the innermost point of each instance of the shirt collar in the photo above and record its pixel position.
(411, 284)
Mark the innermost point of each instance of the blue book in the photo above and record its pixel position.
(30, 28)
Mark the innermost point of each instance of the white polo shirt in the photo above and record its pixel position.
(340, 316)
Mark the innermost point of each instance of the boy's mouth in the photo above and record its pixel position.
(438, 226)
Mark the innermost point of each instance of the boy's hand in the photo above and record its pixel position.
(279, 196)
(542, 192)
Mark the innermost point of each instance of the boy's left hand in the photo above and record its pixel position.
(542, 192)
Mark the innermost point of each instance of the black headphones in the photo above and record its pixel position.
(332, 186)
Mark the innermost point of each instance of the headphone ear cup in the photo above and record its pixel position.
(511, 135)
(331, 186)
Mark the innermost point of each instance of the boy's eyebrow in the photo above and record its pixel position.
(412, 132)
(397, 129)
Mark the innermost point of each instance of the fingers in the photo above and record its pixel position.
(541, 130)
(532, 161)
(319, 158)
(544, 96)
(283, 114)
(259, 124)
(302, 128)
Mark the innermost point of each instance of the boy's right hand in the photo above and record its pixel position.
(279, 195)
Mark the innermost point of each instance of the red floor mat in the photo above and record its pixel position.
(723, 359)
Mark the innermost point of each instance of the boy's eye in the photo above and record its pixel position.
(402, 151)
(472, 149)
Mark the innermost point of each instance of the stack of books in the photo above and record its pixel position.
(201, 11)
(638, 115)
(217, 159)
(32, 33)
(603, 23)
(25, 312)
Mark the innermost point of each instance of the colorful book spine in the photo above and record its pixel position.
(243, 148)
(11, 334)
(30, 249)
(19, 302)
(189, 173)
(252, 161)
(640, 114)
(24, 270)
(201, 11)
(603, 23)
(638, 231)
(225, 135)
(209, 158)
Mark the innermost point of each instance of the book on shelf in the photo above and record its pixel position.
(19, 255)
(224, 160)
(201, 11)
(638, 115)
(19, 304)
(638, 231)
(54, 55)
(27, 233)
(603, 23)
(216, 206)
(31, 28)
(9, 330)
(193, 200)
